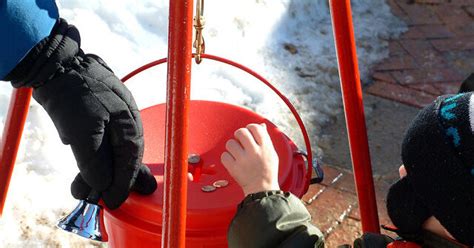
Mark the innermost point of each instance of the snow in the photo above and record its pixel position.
(128, 34)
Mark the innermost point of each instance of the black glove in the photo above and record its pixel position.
(372, 240)
(92, 111)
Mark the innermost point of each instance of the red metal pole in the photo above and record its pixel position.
(354, 110)
(177, 100)
(16, 117)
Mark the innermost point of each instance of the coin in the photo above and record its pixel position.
(208, 188)
(194, 158)
(220, 183)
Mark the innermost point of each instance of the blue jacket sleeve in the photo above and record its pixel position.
(23, 23)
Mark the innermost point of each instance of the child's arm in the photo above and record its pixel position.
(267, 217)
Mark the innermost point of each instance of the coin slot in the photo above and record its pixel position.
(197, 172)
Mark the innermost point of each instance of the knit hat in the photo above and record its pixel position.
(438, 154)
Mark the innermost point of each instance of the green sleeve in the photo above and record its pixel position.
(273, 219)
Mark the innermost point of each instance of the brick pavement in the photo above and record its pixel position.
(431, 58)
(333, 205)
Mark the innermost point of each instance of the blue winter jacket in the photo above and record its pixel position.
(23, 23)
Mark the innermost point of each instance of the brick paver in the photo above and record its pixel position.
(419, 67)
(430, 59)
(334, 208)
(350, 229)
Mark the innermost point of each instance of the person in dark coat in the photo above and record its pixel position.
(92, 110)
(436, 191)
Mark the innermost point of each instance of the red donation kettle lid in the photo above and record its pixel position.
(211, 125)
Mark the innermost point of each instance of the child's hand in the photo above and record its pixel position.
(251, 159)
(402, 171)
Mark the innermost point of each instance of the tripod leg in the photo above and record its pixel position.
(16, 117)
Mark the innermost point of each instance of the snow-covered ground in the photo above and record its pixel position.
(287, 41)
